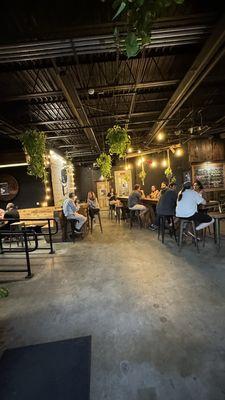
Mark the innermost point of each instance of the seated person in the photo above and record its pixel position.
(199, 188)
(154, 193)
(2, 213)
(111, 195)
(187, 207)
(134, 202)
(166, 204)
(93, 205)
(70, 210)
(12, 214)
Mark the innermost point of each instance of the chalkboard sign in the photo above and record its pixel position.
(211, 175)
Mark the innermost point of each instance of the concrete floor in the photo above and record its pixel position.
(156, 316)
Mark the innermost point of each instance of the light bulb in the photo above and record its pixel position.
(130, 150)
(47, 197)
(164, 163)
(154, 164)
(139, 151)
(179, 152)
(160, 136)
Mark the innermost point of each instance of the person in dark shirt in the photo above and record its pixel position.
(12, 214)
(166, 204)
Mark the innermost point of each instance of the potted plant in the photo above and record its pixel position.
(34, 145)
(104, 162)
(118, 140)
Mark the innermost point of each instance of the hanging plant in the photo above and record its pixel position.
(104, 162)
(34, 147)
(168, 173)
(140, 15)
(173, 179)
(118, 140)
(142, 176)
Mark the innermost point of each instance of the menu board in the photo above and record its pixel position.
(211, 175)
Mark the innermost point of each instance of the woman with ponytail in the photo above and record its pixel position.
(187, 207)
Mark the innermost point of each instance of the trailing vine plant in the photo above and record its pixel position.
(34, 146)
(104, 162)
(118, 140)
(169, 174)
(140, 15)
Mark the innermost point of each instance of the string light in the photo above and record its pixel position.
(130, 150)
(179, 152)
(154, 164)
(160, 136)
(164, 163)
(139, 151)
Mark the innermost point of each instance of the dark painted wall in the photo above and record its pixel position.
(31, 190)
(85, 180)
(86, 176)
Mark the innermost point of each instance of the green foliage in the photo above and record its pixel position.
(34, 147)
(104, 162)
(3, 293)
(140, 15)
(168, 172)
(118, 140)
(173, 179)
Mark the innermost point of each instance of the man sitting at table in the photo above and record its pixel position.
(134, 202)
(166, 204)
(70, 210)
(154, 195)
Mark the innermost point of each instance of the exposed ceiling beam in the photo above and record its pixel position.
(30, 96)
(130, 86)
(97, 89)
(75, 104)
(210, 54)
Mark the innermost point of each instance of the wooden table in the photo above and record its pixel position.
(210, 205)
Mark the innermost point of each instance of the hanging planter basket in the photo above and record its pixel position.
(34, 146)
(118, 140)
(104, 162)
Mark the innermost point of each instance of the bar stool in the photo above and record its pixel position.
(119, 210)
(97, 213)
(135, 215)
(161, 227)
(183, 223)
(74, 234)
(111, 210)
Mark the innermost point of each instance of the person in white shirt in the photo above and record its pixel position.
(70, 210)
(187, 207)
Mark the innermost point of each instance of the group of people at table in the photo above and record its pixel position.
(167, 202)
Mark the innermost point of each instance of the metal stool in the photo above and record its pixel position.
(184, 221)
(135, 215)
(161, 227)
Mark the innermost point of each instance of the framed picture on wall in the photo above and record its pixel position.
(123, 182)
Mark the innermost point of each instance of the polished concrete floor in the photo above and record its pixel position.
(156, 316)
